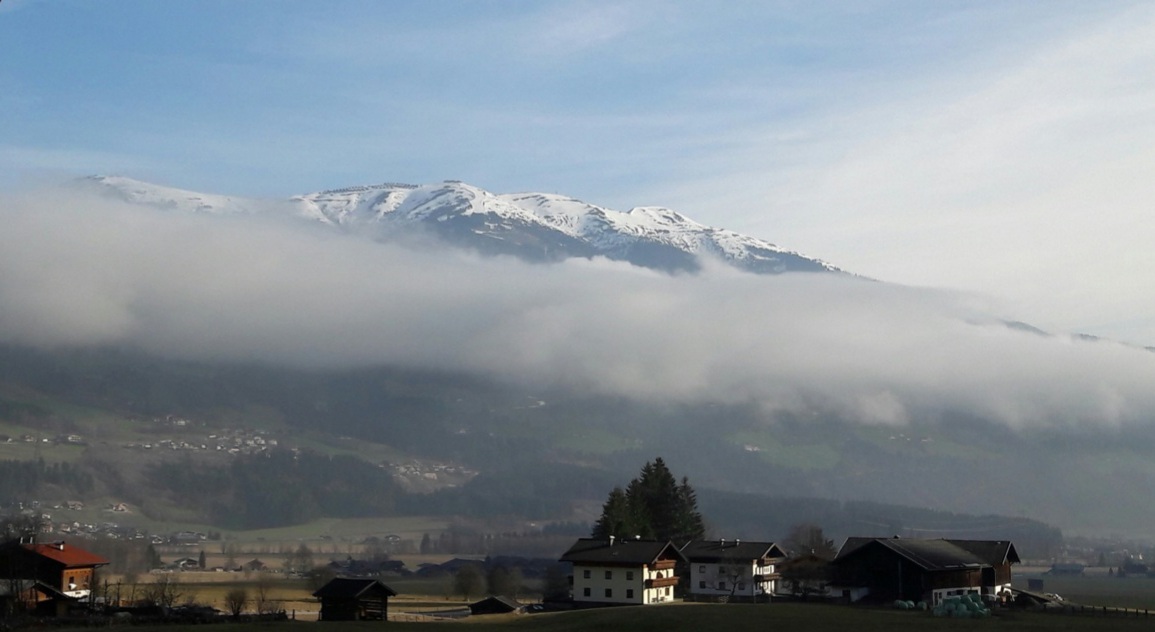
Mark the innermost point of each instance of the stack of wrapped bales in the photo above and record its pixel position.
(966, 606)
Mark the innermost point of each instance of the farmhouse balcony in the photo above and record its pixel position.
(661, 582)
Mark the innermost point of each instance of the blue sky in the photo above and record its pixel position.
(1000, 148)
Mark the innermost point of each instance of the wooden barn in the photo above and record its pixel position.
(885, 569)
(351, 599)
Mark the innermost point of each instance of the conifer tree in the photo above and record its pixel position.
(653, 506)
(617, 519)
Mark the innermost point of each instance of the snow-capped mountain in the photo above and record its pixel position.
(533, 226)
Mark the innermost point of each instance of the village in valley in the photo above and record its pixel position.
(56, 570)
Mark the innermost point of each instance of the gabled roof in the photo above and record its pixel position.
(353, 588)
(496, 603)
(66, 555)
(713, 551)
(936, 555)
(993, 552)
(10, 587)
(621, 552)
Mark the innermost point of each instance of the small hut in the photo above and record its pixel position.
(496, 605)
(350, 599)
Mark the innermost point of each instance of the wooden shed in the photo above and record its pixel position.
(350, 599)
(496, 605)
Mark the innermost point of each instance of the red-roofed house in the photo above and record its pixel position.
(67, 568)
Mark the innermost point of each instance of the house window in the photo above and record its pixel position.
(721, 570)
(702, 568)
(721, 585)
(609, 593)
(741, 585)
(629, 593)
(629, 576)
(586, 591)
(668, 591)
(586, 574)
(609, 574)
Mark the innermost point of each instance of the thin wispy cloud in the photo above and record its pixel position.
(1020, 178)
(585, 26)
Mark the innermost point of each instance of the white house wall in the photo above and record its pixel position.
(624, 585)
(722, 579)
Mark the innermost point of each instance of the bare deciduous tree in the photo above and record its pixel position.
(263, 600)
(808, 538)
(235, 601)
(163, 592)
(469, 580)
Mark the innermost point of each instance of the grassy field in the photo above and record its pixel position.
(420, 596)
(1097, 589)
(731, 618)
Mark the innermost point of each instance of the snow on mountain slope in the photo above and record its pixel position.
(182, 200)
(535, 226)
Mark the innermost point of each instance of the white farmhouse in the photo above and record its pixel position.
(609, 572)
(732, 570)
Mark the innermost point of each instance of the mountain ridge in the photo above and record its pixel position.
(534, 226)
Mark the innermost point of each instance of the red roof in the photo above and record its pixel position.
(66, 554)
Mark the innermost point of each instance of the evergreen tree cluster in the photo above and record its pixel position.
(26, 479)
(281, 487)
(653, 506)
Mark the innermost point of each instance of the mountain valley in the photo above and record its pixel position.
(787, 389)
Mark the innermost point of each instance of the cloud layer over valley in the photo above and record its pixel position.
(83, 270)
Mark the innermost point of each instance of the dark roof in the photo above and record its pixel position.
(494, 604)
(353, 588)
(937, 554)
(730, 551)
(993, 552)
(621, 552)
(853, 544)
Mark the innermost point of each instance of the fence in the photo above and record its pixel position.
(1100, 611)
